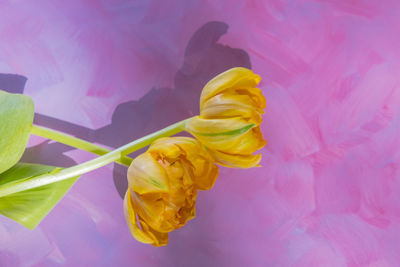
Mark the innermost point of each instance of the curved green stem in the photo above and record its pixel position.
(76, 142)
(93, 164)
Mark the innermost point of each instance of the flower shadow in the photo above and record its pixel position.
(46, 152)
(203, 59)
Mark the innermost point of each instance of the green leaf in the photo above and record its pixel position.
(31, 206)
(16, 117)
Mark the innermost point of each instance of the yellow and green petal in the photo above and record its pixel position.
(152, 208)
(228, 106)
(231, 79)
(146, 175)
(231, 135)
(237, 160)
(220, 128)
(143, 233)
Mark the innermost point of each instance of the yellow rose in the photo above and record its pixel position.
(163, 184)
(230, 114)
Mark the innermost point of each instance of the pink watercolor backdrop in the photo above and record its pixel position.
(328, 191)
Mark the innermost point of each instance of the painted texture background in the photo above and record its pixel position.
(328, 193)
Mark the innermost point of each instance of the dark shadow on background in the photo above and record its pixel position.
(46, 152)
(204, 58)
(12, 83)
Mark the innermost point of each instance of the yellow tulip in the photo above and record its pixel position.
(230, 116)
(163, 184)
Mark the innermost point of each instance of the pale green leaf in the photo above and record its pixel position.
(16, 117)
(31, 206)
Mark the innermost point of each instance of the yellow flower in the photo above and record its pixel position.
(163, 184)
(230, 114)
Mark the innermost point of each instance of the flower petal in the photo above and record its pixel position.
(237, 160)
(228, 106)
(206, 175)
(145, 175)
(234, 136)
(224, 128)
(143, 233)
(255, 94)
(151, 207)
(230, 79)
(203, 171)
(173, 148)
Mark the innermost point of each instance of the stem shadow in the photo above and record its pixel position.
(204, 58)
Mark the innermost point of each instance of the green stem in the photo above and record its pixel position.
(75, 142)
(93, 164)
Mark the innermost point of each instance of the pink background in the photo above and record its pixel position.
(328, 193)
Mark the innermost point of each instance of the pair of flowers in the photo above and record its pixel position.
(163, 181)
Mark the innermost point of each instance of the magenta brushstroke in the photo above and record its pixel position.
(328, 191)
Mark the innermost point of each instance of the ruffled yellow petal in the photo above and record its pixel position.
(181, 206)
(255, 94)
(204, 171)
(151, 207)
(228, 106)
(224, 128)
(236, 160)
(234, 78)
(167, 212)
(139, 228)
(164, 148)
(231, 135)
(199, 164)
(145, 175)
(172, 148)
(245, 143)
